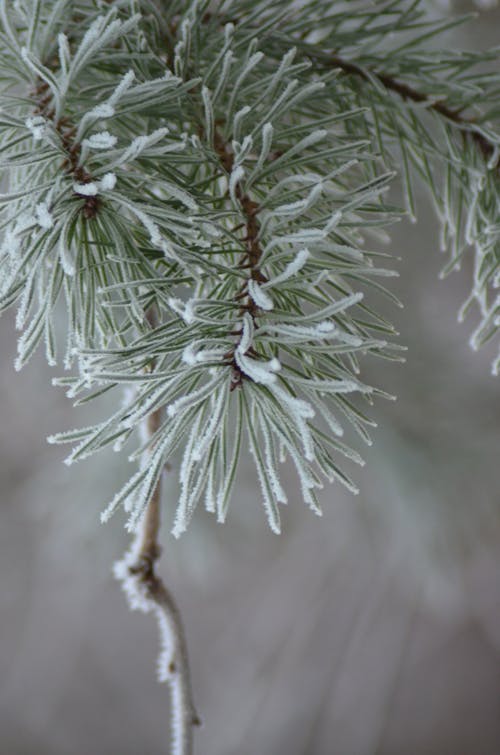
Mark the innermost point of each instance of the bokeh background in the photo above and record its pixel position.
(372, 631)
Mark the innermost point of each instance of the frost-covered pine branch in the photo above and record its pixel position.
(226, 164)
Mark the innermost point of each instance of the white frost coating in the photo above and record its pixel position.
(307, 483)
(213, 425)
(93, 32)
(183, 197)
(107, 182)
(122, 87)
(495, 367)
(304, 236)
(36, 125)
(64, 53)
(210, 491)
(259, 372)
(270, 506)
(322, 330)
(101, 140)
(340, 306)
(140, 143)
(259, 296)
(188, 314)
(309, 140)
(354, 341)
(300, 407)
(332, 386)
(246, 339)
(154, 232)
(104, 110)
(222, 80)
(191, 356)
(185, 309)
(300, 411)
(333, 222)
(267, 140)
(177, 305)
(302, 205)
(236, 176)
(194, 397)
(241, 150)
(86, 190)
(237, 121)
(170, 656)
(24, 302)
(274, 480)
(251, 63)
(10, 244)
(209, 113)
(189, 493)
(67, 263)
(43, 216)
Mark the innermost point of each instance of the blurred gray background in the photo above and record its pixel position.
(372, 631)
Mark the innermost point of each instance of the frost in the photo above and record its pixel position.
(193, 398)
(66, 262)
(267, 139)
(86, 190)
(237, 122)
(37, 125)
(296, 208)
(247, 332)
(104, 110)
(277, 489)
(242, 150)
(185, 309)
(300, 411)
(236, 175)
(259, 296)
(43, 216)
(122, 87)
(293, 267)
(191, 355)
(140, 143)
(260, 372)
(102, 140)
(107, 182)
(211, 428)
(209, 114)
(322, 330)
(257, 333)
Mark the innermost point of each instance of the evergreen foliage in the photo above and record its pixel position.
(200, 186)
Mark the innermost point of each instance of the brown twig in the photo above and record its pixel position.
(147, 592)
(253, 250)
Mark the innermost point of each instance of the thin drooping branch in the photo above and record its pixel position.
(147, 592)
(409, 93)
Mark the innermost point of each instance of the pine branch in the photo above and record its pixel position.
(232, 172)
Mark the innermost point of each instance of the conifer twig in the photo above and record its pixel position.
(410, 94)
